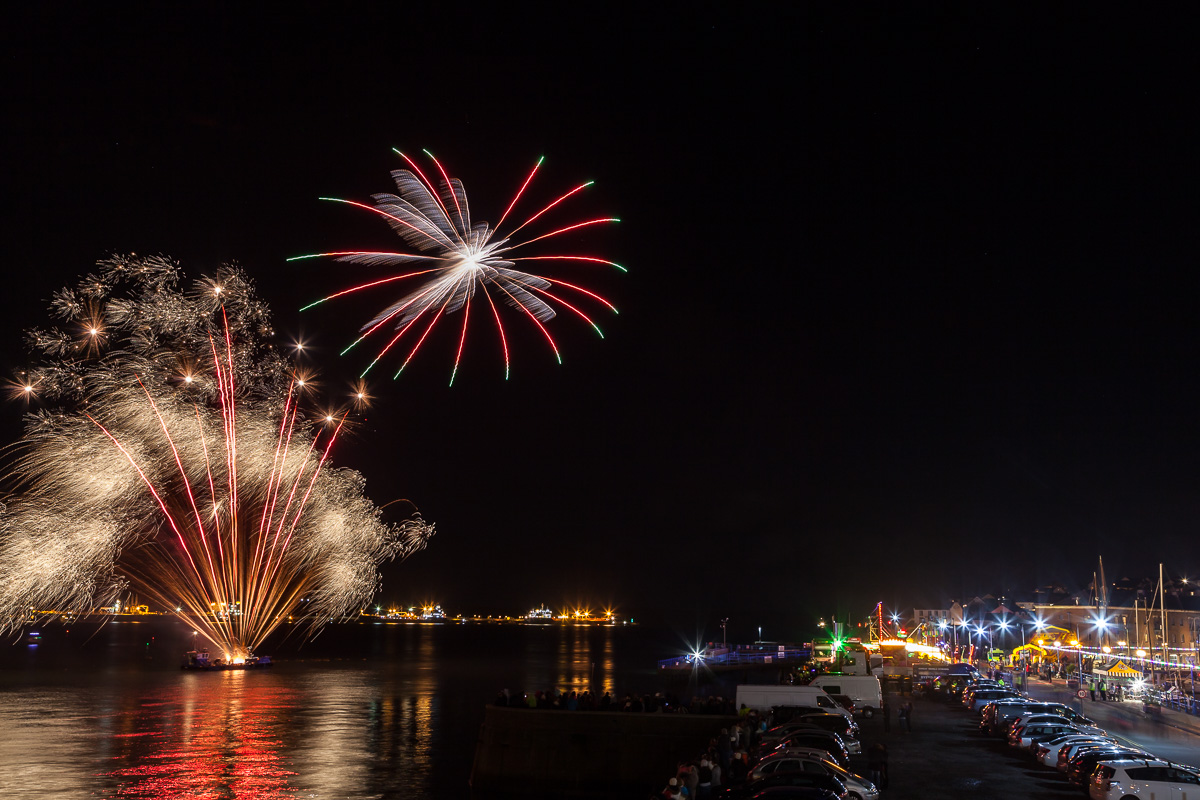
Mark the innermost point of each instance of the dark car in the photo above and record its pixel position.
(943, 685)
(825, 740)
(781, 731)
(794, 793)
(804, 780)
(845, 701)
(839, 724)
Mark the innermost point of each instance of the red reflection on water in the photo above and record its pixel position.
(213, 736)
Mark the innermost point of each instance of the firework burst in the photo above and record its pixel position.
(172, 458)
(457, 260)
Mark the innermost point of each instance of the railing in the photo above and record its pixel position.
(741, 656)
(1178, 702)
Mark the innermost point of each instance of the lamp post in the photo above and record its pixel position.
(979, 633)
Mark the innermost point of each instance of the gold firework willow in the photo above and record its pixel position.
(172, 458)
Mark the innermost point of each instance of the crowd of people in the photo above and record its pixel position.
(727, 759)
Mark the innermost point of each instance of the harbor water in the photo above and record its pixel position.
(363, 711)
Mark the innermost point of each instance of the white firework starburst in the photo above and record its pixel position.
(459, 259)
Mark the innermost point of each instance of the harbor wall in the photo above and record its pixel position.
(585, 753)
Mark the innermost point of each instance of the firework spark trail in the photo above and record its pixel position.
(184, 403)
(435, 220)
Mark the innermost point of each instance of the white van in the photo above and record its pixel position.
(864, 690)
(763, 698)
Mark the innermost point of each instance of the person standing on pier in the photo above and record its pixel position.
(877, 764)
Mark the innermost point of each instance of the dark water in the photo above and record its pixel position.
(364, 711)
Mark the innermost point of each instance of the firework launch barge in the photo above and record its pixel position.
(200, 660)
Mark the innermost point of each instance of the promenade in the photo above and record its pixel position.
(945, 757)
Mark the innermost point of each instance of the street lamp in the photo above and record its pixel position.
(979, 632)
(1102, 626)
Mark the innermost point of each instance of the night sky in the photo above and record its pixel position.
(911, 304)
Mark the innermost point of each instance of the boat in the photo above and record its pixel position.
(539, 616)
(33, 637)
(200, 660)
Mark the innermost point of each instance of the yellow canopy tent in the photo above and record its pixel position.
(1120, 670)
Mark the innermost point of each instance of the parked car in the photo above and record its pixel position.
(825, 740)
(951, 687)
(1079, 771)
(977, 700)
(1023, 737)
(1113, 780)
(846, 728)
(1068, 751)
(784, 752)
(781, 731)
(847, 702)
(858, 787)
(1006, 711)
(993, 710)
(805, 780)
(1067, 713)
(1079, 722)
(783, 761)
(793, 793)
(1047, 752)
(817, 721)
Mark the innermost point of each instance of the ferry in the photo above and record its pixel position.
(539, 616)
(433, 614)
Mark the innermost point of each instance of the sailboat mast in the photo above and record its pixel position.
(1162, 607)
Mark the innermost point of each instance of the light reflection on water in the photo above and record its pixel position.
(395, 713)
(212, 732)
